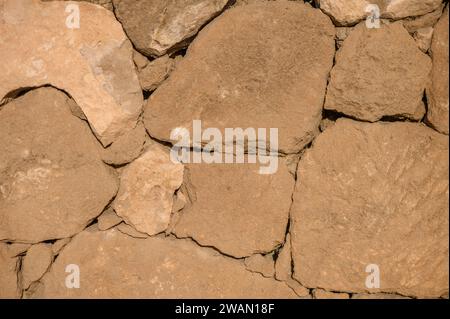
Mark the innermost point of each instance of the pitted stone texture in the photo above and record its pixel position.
(92, 63)
(35, 263)
(379, 72)
(260, 65)
(117, 266)
(386, 204)
(8, 274)
(437, 93)
(235, 209)
(146, 190)
(159, 26)
(52, 179)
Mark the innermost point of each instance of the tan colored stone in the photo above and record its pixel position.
(140, 60)
(369, 81)
(398, 9)
(8, 274)
(127, 147)
(386, 203)
(35, 263)
(236, 209)
(342, 34)
(52, 179)
(16, 249)
(146, 190)
(261, 66)
(60, 244)
(108, 219)
(345, 12)
(155, 72)
(262, 264)
(378, 296)
(425, 21)
(437, 93)
(423, 38)
(283, 264)
(159, 26)
(107, 4)
(323, 294)
(92, 63)
(131, 231)
(113, 265)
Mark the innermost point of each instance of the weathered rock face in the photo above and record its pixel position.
(345, 12)
(423, 38)
(107, 4)
(52, 179)
(113, 265)
(158, 26)
(155, 72)
(398, 9)
(8, 274)
(102, 78)
(238, 223)
(437, 93)
(146, 190)
(35, 263)
(370, 81)
(425, 21)
(386, 204)
(244, 70)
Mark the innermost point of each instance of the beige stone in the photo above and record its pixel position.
(398, 9)
(16, 249)
(117, 266)
(261, 66)
(378, 296)
(437, 93)
(146, 190)
(425, 21)
(155, 72)
(92, 63)
(235, 209)
(107, 4)
(35, 263)
(131, 231)
(108, 219)
(423, 38)
(345, 12)
(323, 294)
(283, 264)
(8, 274)
(382, 201)
(263, 264)
(158, 26)
(369, 81)
(52, 179)
(60, 244)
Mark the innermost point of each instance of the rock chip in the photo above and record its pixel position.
(158, 26)
(146, 190)
(427, 20)
(35, 263)
(131, 231)
(386, 205)
(98, 59)
(345, 12)
(437, 93)
(262, 264)
(283, 264)
(423, 38)
(236, 209)
(60, 244)
(8, 274)
(113, 265)
(108, 219)
(155, 72)
(260, 66)
(370, 81)
(16, 249)
(52, 179)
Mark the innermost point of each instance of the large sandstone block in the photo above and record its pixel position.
(92, 63)
(373, 194)
(261, 66)
(52, 178)
(8, 274)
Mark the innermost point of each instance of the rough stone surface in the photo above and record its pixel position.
(437, 93)
(423, 38)
(238, 223)
(153, 268)
(243, 70)
(345, 12)
(8, 274)
(102, 78)
(155, 72)
(60, 244)
(52, 179)
(107, 4)
(127, 147)
(378, 296)
(386, 204)
(370, 81)
(131, 231)
(425, 21)
(283, 264)
(323, 294)
(262, 264)
(158, 26)
(16, 249)
(146, 190)
(398, 9)
(35, 263)
(108, 219)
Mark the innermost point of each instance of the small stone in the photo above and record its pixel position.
(378, 296)
(35, 263)
(60, 244)
(131, 231)
(146, 190)
(323, 294)
(369, 82)
(92, 63)
(16, 249)
(326, 123)
(283, 264)
(155, 72)
(423, 38)
(262, 264)
(108, 219)
(425, 21)
(158, 26)
(140, 60)
(8, 274)
(437, 93)
(179, 201)
(299, 290)
(342, 34)
(345, 12)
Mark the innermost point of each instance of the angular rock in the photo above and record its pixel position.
(108, 219)
(283, 264)
(60, 244)
(113, 265)
(8, 274)
(146, 190)
(235, 209)
(423, 38)
(398, 9)
(369, 81)
(345, 12)
(155, 72)
(323, 294)
(260, 66)
(52, 179)
(425, 21)
(97, 56)
(131, 231)
(16, 249)
(386, 204)
(127, 147)
(437, 93)
(158, 26)
(262, 264)
(35, 263)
